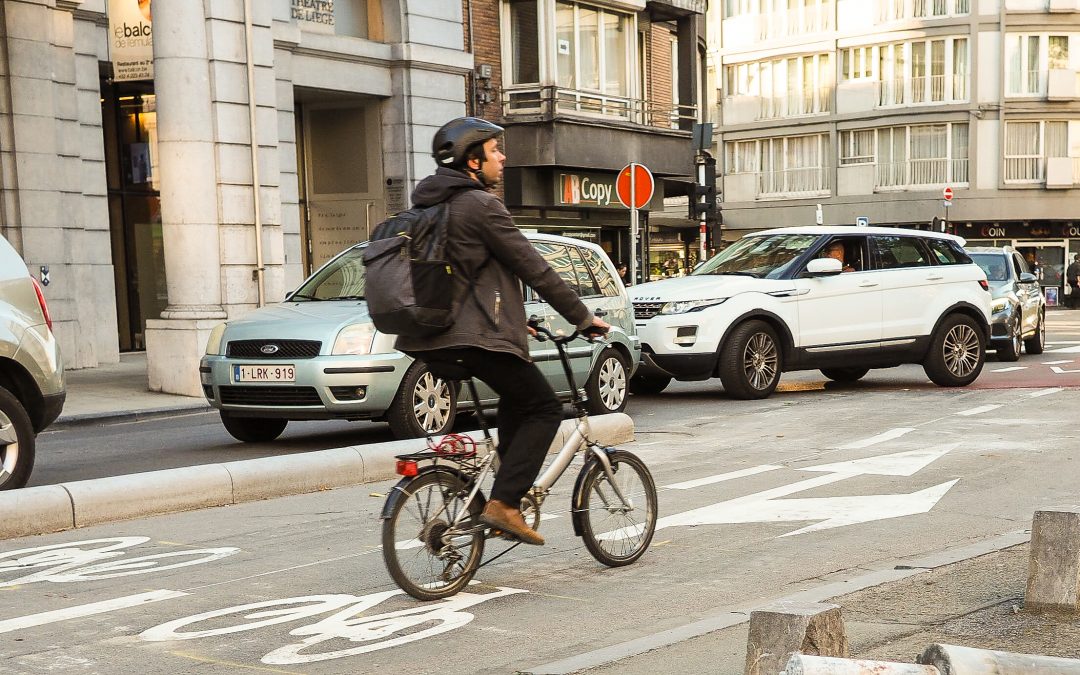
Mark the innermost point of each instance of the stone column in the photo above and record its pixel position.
(189, 199)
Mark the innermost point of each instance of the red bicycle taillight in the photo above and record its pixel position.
(41, 301)
(984, 284)
(407, 468)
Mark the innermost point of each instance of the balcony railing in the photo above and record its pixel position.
(1029, 169)
(551, 100)
(806, 102)
(921, 172)
(925, 89)
(799, 21)
(805, 181)
(894, 10)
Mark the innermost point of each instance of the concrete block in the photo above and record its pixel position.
(29, 21)
(228, 82)
(226, 41)
(1054, 568)
(295, 474)
(35, 510)
(777, 631)
(143, 494)
(953, 660)
(800, 664)
(31, 96)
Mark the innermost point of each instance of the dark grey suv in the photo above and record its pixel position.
(1018, 306)
(31, 370)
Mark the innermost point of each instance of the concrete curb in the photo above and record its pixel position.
(115, 416)
(53, 508)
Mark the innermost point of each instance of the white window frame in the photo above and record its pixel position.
(1023, 78)
(880, 167)
(1040, 156)
(848, 145)
(900, 88)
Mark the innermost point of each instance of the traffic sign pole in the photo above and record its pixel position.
(633, 224)
(626, 189)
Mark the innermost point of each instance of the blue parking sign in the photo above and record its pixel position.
(862, 221)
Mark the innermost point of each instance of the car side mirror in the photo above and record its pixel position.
(1028, 278)
(823, 267)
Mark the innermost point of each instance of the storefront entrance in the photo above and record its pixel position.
(1047, 260)
(129, 121)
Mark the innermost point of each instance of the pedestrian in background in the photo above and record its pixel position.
(1072, 277)
(624, 274)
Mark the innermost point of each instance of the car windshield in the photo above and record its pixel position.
(994, 264)
(341, 279)
(764, 256)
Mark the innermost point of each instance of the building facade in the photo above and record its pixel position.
(583, 89)
(251, 141)
(871, 108)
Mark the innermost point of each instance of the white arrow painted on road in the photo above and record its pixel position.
(765, 507)
(1062, 371)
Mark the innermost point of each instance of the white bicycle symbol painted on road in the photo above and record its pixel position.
(95, 559)
(378, 631)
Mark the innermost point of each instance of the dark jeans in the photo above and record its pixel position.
(1074, 296)
(528, 417)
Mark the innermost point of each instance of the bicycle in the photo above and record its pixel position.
(432, 537)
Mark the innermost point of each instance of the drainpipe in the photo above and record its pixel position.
(471, 103)
(260, 268)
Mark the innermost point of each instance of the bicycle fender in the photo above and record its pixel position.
(398, 491)
(578, 499)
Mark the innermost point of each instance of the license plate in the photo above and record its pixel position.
(278, 373)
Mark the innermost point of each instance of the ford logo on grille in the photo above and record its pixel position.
(269, 349)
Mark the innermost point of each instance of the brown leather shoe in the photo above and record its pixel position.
(502, 516)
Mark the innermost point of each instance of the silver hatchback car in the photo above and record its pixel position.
(318, 356)
(31, 371)
(1019, 308)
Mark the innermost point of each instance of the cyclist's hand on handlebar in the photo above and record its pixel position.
(598, 328)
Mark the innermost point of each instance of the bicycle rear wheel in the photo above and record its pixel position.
(423, 561)
(615, 533)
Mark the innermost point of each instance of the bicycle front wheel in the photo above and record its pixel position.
(615, 531)
(427, 556)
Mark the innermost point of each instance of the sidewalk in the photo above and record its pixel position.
(119, 391)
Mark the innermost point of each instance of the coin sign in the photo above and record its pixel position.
(634, 186)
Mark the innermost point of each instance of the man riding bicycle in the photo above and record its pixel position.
(489, 338)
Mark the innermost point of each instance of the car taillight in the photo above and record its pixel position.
(984, 284)
(41, 301)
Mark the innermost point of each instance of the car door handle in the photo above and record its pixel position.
(867, 284)
(935, 277)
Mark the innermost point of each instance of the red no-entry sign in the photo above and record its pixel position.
(634, 186)
(947, 194)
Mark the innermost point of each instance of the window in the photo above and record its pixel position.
(946, 252)
(1058, 52)
(1029, 144)
(558, 256)
(898, 252)
(794, 86)
(928, 154)
(592, 49)
(743, 157)
(923, 71)
(1028, 57)
(856, 147)
(606, 283)
(793, 165)
(525, 42)
(858, 64)
(587, 286)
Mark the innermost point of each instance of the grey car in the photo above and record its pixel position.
(1019, 308)
(31, 371)
(318, 356)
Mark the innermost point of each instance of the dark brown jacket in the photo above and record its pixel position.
(489, 254)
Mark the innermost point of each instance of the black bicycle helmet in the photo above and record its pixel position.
(456, 138)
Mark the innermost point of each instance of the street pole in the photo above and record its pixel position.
(703, 225)
(633, 225)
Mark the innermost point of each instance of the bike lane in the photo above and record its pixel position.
(297, 584)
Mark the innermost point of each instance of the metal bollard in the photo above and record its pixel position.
(969, 661)
(801, 664)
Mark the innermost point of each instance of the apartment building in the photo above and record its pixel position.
(870, 108)
(583, 88)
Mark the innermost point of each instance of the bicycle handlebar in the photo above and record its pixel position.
(543, 334)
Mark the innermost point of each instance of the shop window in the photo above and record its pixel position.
(352, 18)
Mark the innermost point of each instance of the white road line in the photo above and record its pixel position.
(1045, 392)
(880, 438)
(721, 477)
(1057, 363)
(90, 609)
(1066, 350)
(978, 411)
(1063, 342)
(1009, 369)
(1062, 371)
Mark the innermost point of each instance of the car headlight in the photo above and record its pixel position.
(213, 343)
(999, 305)
(355, 339)
(683, 306)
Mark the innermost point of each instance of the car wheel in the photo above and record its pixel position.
(606, 386)
(16, 443)
(750, 361)
(1009, 350)
(957, 352)
(845, 374)
(252, 429)
(425, 405)
(648, 384)
(1037, 342)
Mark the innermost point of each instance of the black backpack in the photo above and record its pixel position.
(409, 279)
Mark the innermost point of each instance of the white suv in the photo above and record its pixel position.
(773, 302)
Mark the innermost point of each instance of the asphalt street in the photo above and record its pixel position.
(758, 500)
